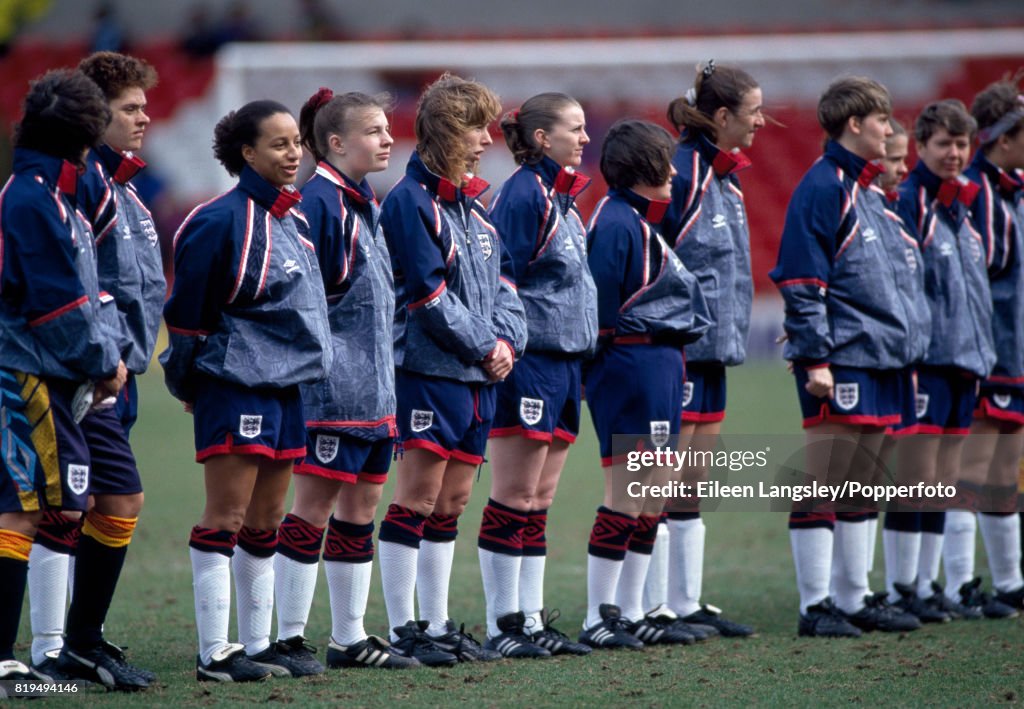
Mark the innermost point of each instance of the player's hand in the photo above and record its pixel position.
(113, 386)
(189, 406)
(819, 382)
(498, 364)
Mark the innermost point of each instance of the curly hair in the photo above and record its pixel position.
(240, 128)
(114, 73)
(449, 108)
(64, 113)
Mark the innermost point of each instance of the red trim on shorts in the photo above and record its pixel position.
(326, 473)
(614, 460)
(434, 448)
(228, 447)
(563, 435)
(820, 365)
(986, 410)
(904, 432)
(508, 431)
(703, 416)
(376, 478)
(932, 429)
(464, 457)
(855, 419)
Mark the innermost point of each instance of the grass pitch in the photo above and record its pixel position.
(748, 572)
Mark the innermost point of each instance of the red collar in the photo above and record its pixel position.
(67, 182)
(128, 168)
(892, 196)
(868, 174)
(727, 162)
(472, 187)
(960, 189)
(287, 198)
(570, 182)
(656, 209)
(1008, 184)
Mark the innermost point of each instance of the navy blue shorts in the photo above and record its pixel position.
(704, 392)
(443, 416)
(946, 398)
(113, 470)
(635, 395)
(338, 455)
(49, 460)
(861, 397)
(1001, 402)
(237, 420)
(127, 406)
(540, 399)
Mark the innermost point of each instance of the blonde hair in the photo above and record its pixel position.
(448, 108)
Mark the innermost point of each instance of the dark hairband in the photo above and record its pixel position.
(321, 97)
(709, 69)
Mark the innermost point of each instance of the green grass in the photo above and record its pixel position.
(749, 573)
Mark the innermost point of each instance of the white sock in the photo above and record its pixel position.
(928, 563)
(1002, 543)
(433, 576)
(602, 580)
(349, 586)
(685, 564)
(254, 590)
(531, 590)
(294, 585)
(812, 557)
(398, 579)
(850, 565)
(629, 592)
(656, 584)
(72, 560)
(902, 553)
(958, 550)
(47, 593)
(500, 573)
(211, 585)
(872, 523)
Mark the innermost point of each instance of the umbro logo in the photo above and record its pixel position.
(291, 266)
(946, 249)
(718, 221)
(870, 235)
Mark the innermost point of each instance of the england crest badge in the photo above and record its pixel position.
(920, 405)
(250, 426)
(78, 478)
(484, 239)
(1001, 400)
(531, 410)
(421, 420)
(687, 393)
(326, 448)
(847, 395)
(659, 432)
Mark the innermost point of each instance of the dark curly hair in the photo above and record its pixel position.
(63, 113)
(114, 73)
(240, 128)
